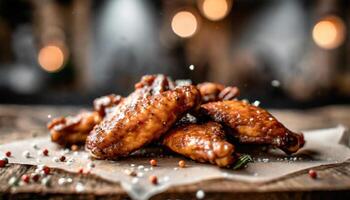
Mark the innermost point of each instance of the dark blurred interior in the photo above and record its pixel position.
(286, 54)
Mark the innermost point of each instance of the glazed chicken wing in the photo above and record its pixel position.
(73, 129)
(251, 124)
(201, 142)
(138, 123)
(216, 92)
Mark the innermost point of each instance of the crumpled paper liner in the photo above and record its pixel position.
(325, 146)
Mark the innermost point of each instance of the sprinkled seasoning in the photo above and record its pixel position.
(256, 103)
(61, 181)
(8, 154)
(182, 163)
(153, 179)
(55, 159)
(35, 177)
(13, 181)
(25, 178)
(46, 181)
(45, 152)
(46, 170)
(200, 194)
(153, 162)
(35, 146)
(62, 158)
(79, 187)
(26, 154)
(2, 163)
(80, 170)
(312, 174)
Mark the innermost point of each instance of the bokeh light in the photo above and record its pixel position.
(51, 58)
(329, 33)
(184, 24)
(215, 9)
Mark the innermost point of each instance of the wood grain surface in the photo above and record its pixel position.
(19, 122)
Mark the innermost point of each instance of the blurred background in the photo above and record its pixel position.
(285, 54)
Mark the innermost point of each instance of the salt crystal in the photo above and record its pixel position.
(256, 103)
(13, 181)
(69, 180)
(275, 83)
(79, 187)
(46, 181)
(61, 181)
(200, 194)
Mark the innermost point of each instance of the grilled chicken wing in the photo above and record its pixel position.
(139, 123)
(216, 92)
(73, 129)
(251, 124)
(201, 142)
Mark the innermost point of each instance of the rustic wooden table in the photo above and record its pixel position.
(19, 122)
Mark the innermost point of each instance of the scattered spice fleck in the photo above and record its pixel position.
(46, 170)
(182, 163)
(45, 152)
(35, 177)
(26, 154)
(312, 174)
(153, 162)
(8, 153)
(81, 170)
(2, 163)
(62, 158)
(25, 178)
(153, 179)
(200, 194)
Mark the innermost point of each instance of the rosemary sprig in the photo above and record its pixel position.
(242, 161)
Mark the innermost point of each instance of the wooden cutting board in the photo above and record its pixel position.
(19, 122)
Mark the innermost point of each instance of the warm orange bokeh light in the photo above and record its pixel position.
(184, 24)
(329, 33)
(51, 58)
(215, 9)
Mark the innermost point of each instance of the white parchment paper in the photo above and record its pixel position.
(325, 146)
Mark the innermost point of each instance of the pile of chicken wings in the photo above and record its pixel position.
(204, 122)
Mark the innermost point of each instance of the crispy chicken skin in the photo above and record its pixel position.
(251, 124)
(138, 123)
(216, 92)
(73, 130)
(201, 142)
